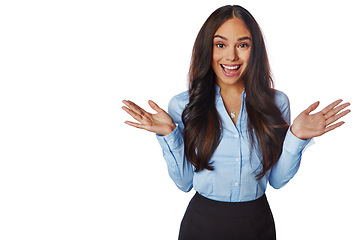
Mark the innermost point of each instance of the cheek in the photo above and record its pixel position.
(246, 56)
(215, 61)
(216, 56)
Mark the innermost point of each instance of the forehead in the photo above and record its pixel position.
(233, 28)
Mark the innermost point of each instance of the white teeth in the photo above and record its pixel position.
(230, 67)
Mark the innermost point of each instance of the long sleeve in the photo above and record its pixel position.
(235, 165)
(180, 170)
(293, 147)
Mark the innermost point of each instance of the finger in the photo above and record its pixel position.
(135, 115)
(337, 117)
(137, 125)
(154, 106)
(331, 106)
(312, 107)
(334, 126)
(134, 107)
(336, 110)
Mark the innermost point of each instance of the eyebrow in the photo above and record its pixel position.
(239, 39)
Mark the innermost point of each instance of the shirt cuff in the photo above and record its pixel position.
(172, 140)
(295, 145)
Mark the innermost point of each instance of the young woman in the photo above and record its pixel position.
(230, 134)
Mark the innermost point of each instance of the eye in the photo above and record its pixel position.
(243, 45)
(220, 45)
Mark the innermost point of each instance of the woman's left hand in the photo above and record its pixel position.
(308, 125)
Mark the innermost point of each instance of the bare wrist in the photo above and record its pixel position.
(170, 130)
(297, 133)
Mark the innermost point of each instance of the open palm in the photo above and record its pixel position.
(160, 122)
(308, 125)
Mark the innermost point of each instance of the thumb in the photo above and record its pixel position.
(312, 107)
(154, 106)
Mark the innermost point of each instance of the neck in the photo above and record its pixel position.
(231, 90)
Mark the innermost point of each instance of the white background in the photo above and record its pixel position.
(71, 169)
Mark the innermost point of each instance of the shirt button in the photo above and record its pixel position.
(170, 140)
(236, 184)
(237, 159)
(300, 147)
(236, 135)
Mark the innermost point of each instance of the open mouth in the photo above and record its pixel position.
(230, 67)
(230, 70)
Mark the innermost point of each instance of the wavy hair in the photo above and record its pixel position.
(202, 123)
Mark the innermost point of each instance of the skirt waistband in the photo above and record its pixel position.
(211, 207)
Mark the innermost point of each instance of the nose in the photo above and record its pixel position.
(232, 54)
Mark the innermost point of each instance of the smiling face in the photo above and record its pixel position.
(231, 52)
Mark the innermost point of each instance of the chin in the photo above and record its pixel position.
(229, 82)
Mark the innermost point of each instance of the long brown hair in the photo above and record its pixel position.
(202, 124)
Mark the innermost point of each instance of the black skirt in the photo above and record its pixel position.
(213, 220)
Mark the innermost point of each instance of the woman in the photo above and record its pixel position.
(229, 135)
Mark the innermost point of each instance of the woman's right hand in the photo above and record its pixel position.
(160, 123)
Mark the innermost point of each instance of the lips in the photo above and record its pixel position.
(230, 70)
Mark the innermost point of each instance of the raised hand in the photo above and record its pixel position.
(308, 125)
(160, 123)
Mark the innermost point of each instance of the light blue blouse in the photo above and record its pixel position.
(235, 166)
